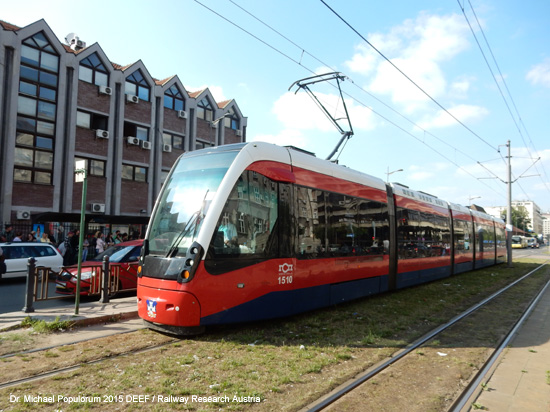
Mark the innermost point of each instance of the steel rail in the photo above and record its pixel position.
(473, 388)
(71, 368)
(338, 393)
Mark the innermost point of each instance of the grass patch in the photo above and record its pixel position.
(41, 326)
(289, 362)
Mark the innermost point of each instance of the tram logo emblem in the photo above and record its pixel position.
(285, 268)
(152, 308)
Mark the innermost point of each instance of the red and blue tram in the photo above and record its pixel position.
(255, 231)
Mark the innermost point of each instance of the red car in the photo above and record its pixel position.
(123, 262)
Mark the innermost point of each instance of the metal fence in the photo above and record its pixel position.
(41, 279)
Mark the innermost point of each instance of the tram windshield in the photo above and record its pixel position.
(184, 202)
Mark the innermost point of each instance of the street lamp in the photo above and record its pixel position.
(470, 198)
(388, 173)
(214, 125)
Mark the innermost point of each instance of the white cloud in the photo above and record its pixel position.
(217, 91)
(463, 112)
(298, 111)
(417, 47)
(540, 74)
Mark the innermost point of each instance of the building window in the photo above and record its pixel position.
(133, 130)
(135, 173)
(173, 99)
(91, 70)
(204, 110)
(137, 86)
(94, 167)
(36, 111)
(231, 120)
(201, 145)
(173, 140)
(91, 120)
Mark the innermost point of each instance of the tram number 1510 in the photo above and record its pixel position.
(283, 280)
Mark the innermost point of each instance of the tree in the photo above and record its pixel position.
(520, 217)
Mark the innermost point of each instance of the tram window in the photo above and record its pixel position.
(341, 215)
(333, 224)
(462, 237)
(421, 234)
(310, 218)
(246, 231)
(485, 238)
(373, 236)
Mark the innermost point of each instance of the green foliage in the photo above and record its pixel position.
(41, 326)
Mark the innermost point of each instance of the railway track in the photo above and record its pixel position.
(325, 403)
(473, 388)
(77, 365)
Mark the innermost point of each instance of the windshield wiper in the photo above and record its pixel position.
(191, 223)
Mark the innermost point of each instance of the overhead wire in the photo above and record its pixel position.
(347, 94)
(407, 77)
(503, 80)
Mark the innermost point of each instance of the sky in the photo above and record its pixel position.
(435, 89)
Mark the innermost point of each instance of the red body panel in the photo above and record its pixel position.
(216, 293)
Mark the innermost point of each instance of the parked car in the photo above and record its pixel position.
(125, 255)
(17, 256)
(532, 243)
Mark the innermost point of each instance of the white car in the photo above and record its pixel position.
(17, 255)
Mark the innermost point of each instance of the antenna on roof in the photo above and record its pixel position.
(304, 84)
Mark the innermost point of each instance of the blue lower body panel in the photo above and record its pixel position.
(286, 303)
(407, 279)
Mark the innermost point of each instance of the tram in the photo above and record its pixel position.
(256, 231)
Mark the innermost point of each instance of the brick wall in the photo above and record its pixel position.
(28, 195)
(89, 97)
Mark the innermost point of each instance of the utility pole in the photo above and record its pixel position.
(509, 226)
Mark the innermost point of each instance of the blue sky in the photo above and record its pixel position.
(259, 48)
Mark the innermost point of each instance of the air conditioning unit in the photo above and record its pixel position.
(105, 90)
(132, 99)
(145, 145)
(133, 140)
(182, 114)
(238, 133)
(102, 134)
(166, 148)
(98, 207)
(23, 215)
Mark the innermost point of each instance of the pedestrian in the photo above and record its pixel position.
(60, 236)
(31, 237)
(109, 240)
(68, 250)
(100, 243)
(3, 268)
(45, 238)
(18, 237)
(117, 239)
(92, 246)
(7, 235)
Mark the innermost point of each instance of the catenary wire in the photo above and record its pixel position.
(407, 77)
(354, 98)
(500, 89)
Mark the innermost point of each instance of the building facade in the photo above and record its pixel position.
(546, 226)
(533, 211)
(61, 103)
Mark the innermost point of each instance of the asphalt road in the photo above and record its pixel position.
(12, 296)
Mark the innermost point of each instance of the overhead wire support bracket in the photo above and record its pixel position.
(306, 82)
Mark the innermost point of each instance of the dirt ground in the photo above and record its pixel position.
(285, 365)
